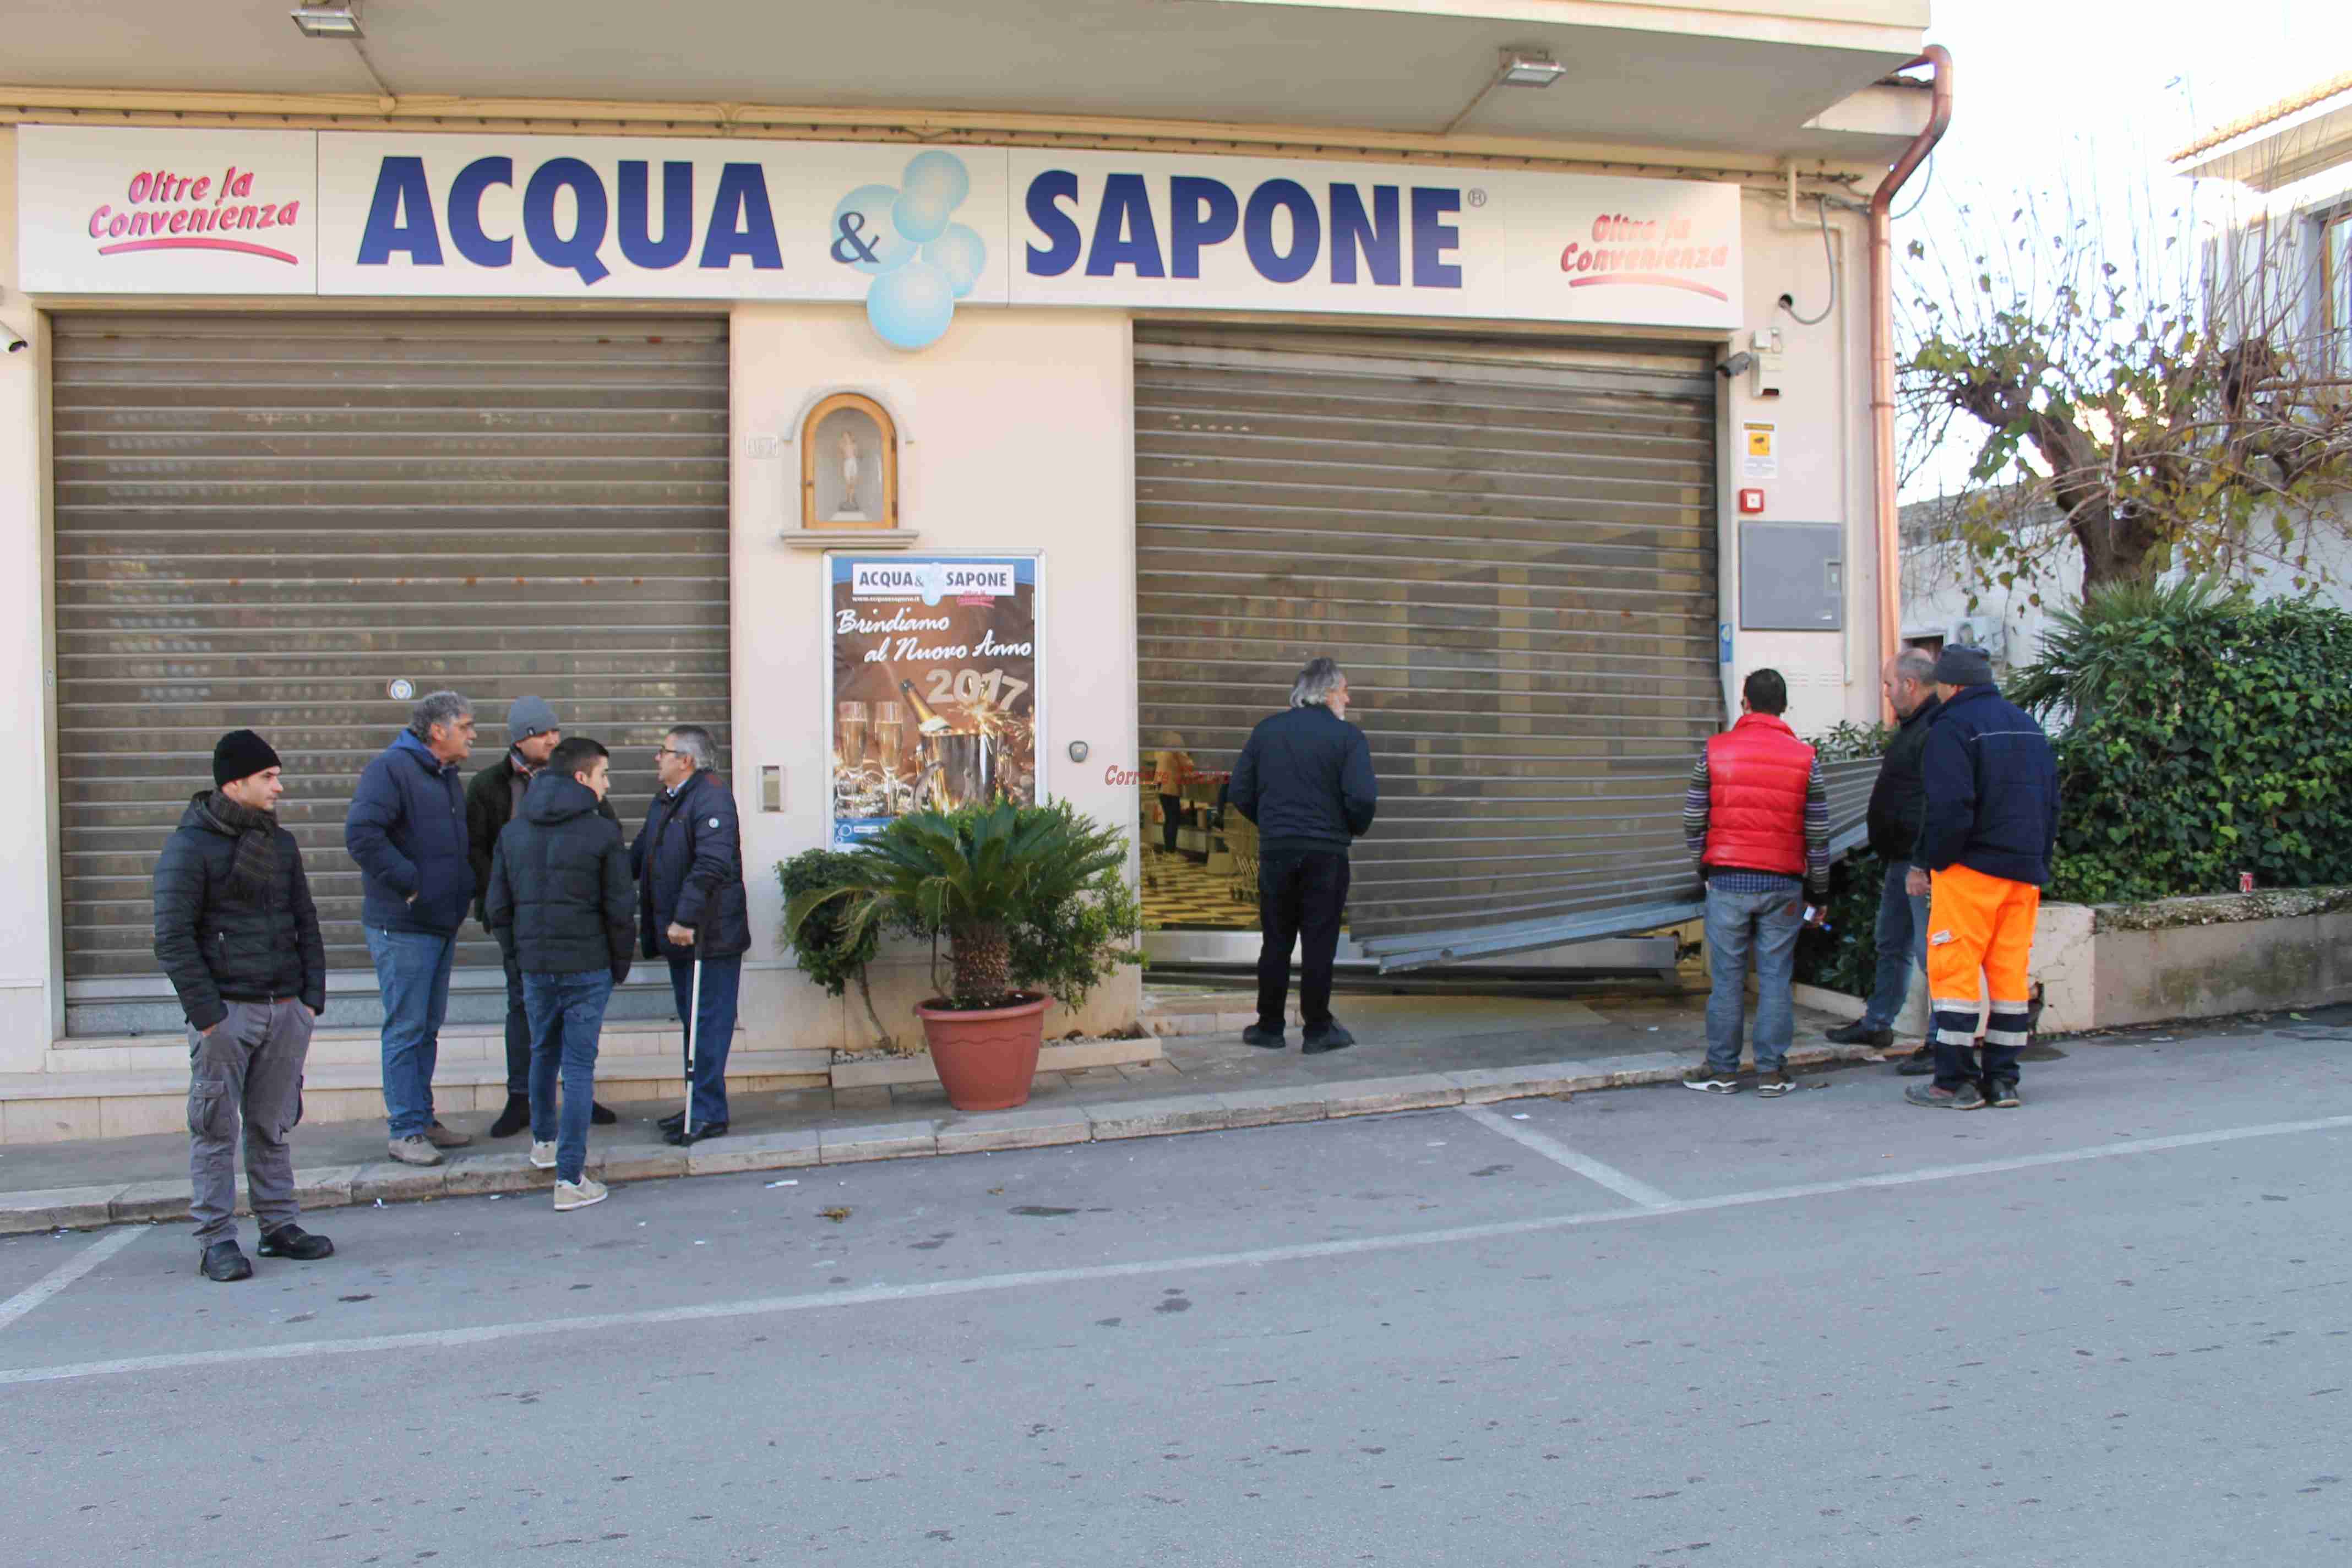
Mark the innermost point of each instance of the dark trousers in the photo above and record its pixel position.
(714, 1028)
(1171, 808)
(1956, 1065)
(1300, 894)
(519, 1039)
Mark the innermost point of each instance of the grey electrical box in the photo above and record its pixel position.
(1792, 577)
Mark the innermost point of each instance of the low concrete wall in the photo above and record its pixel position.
(2106, 966)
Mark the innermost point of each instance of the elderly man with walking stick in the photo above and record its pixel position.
(692, 909)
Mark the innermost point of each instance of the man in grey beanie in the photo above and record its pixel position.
(491, 799)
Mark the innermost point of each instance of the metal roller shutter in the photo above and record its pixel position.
(264, 521)
(1511, 548)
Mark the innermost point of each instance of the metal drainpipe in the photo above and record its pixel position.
(1882, 349)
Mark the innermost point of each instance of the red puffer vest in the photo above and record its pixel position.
(1757, 772)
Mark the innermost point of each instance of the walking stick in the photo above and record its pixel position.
(693, 1017)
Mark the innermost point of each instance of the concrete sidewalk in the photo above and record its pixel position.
(1413, 1052)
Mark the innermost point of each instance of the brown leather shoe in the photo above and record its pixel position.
(442, 1138)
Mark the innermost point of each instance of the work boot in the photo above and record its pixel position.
(415, 1150)
(1862, 1032)
(2005, 1097)
(602, 1116)
(1918, 1064)
(514, 1118)
(1968, 1096)
(1331, 1037)
(579, 1195)
(225, 1261)
(442, 1138)
(290, 1240)
(1258, 1035)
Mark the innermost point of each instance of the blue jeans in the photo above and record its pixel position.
(520, 1035)
(567, 1015)
(1902, 942)
(1737, 925)
(714, 1031)
(412, 970)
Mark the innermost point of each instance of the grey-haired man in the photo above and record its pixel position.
(492, 798)
(406, 828)
(1306, 778)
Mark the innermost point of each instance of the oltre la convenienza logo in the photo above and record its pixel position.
(170, 211)
(901, 237)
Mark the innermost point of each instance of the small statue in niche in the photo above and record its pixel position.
(849, 510)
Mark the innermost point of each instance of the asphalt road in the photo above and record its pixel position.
(1644, 1327)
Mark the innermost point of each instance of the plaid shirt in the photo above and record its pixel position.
(1698, 798)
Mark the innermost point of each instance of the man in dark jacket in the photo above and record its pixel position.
(1991, 826)
(563, 907)
(1306, 778)
(1898, 804)
(688, 861)
(492, 798)
(406, 828)
(237, 935)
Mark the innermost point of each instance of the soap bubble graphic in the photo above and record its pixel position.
(910, 301)
(961, 254)
(910, 306)
(861, 226)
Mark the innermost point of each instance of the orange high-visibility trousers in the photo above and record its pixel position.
(1981, 926)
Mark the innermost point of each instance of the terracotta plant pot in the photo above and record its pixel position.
(986, 1059)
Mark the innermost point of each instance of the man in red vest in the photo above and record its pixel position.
(1756, 818)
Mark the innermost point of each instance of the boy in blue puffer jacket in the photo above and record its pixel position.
(406, 828)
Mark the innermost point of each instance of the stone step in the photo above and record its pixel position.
(350, 1047)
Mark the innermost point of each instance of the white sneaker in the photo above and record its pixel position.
(415, 1150)
(579, 1195)
(542, 1155)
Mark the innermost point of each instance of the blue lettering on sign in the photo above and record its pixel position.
(400, 191)
(403, 219)
(1369, 240)
(1125, 234)
(638, 242)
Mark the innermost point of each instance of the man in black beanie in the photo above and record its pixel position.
(237, 932)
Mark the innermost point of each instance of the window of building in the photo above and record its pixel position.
(2335, 288)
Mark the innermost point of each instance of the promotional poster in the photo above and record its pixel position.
(934, 700)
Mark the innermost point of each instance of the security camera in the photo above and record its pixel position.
(17, 345)
(1737, 364)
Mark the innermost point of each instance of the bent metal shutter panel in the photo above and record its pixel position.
(263, 521)
(1512, 551)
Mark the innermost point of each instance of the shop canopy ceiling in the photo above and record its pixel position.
(1751, 76)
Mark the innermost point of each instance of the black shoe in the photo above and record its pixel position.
(1918, 1064)
(1861, 1032)
(1968, 1096)
(293, 1241)
(225, 1261)
(602, 1116)
(672, 1122)
(1328, 1038)
(514, 1118)
(682, 1138)
(2005, 1097)
(1262, 1036)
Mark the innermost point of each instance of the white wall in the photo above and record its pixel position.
(26, 924)
(1823, 439)
(1016, 429)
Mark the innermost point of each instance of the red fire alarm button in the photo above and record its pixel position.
(1752, 501)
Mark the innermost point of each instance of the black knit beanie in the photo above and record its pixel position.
(240, 754)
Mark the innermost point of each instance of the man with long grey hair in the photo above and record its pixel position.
(406, 828)
(1306, 778)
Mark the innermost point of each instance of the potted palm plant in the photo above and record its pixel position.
(1036, 907)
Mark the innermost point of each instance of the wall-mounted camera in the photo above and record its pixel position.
(17, 345)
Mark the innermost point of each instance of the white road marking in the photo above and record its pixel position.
(66, 1273)
(1560, 1153)
(1258, 1258)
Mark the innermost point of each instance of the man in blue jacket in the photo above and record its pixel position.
(1306, 778)
(688, 862)
(406, 828)
(1991, 826)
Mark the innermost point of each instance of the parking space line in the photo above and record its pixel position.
(66, 1273)
(712, 1312)
(1560, 1153)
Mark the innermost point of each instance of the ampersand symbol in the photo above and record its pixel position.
(849, 226)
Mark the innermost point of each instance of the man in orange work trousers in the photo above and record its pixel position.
(1991, 824)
